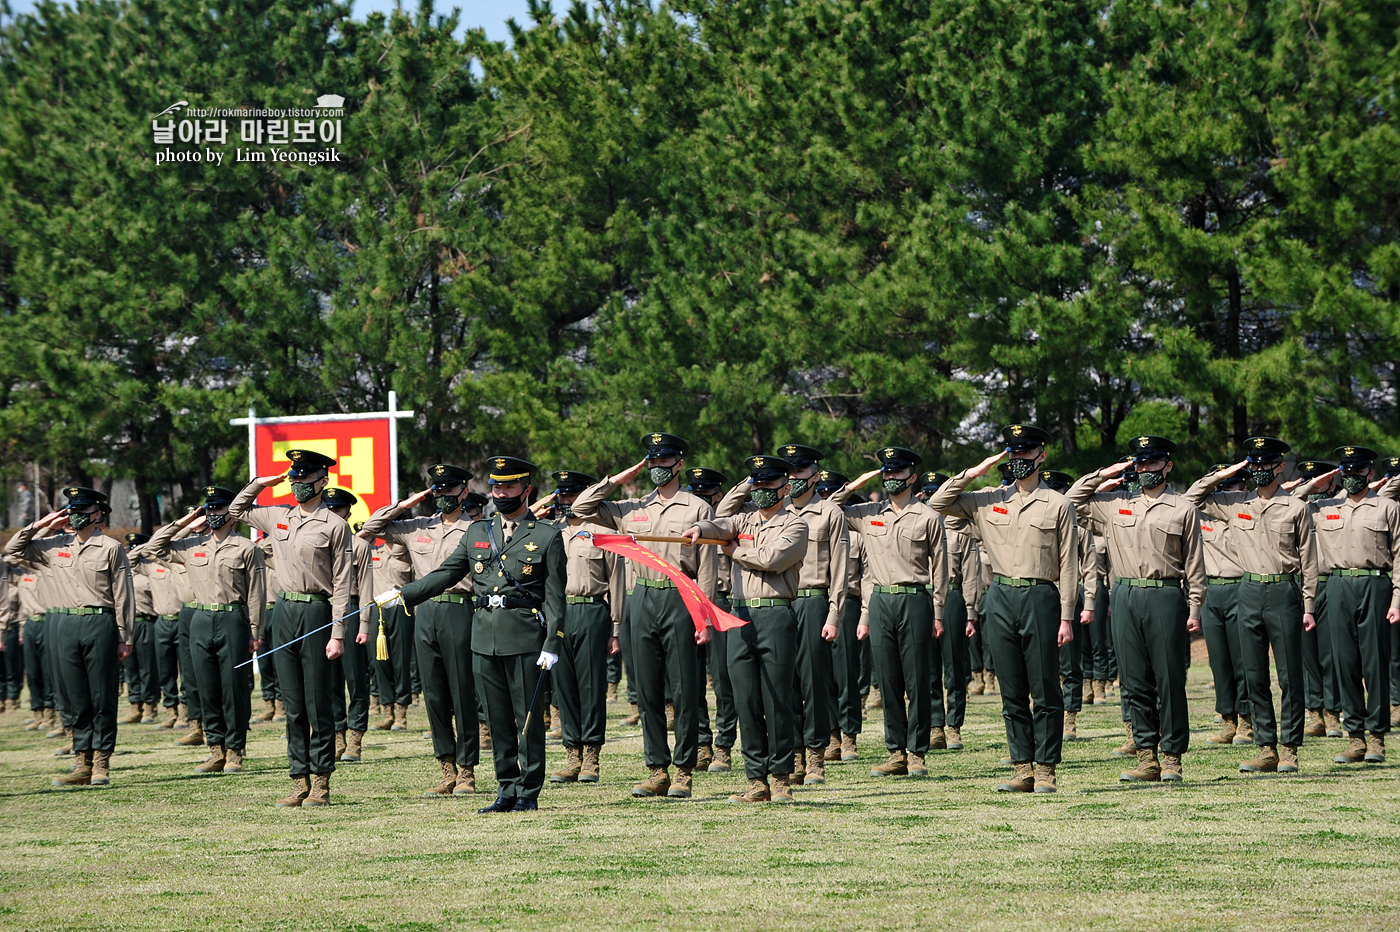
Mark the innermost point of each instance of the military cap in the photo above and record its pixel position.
(828, 480)
(800, 456)
(81, 496)
(1022, 437)
(933, 480)
(1237, 478)
(306, 462)
(473, 499)
(1391, 465)
(894, 458)
(698, 477)
(1265, 449)
(1148, 447)
(506, 469)
(445, 476)
(1311, 469)
(339, 498)
(764, 468)
(1005, 470)
(567, 481)
(662, 444)
(218, 495)
(1056, 479)
(1356, 457)
(135, 539)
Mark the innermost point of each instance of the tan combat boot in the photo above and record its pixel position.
(896, 766)
(320, 791)
(1171, 769)
(611, 695)
(214, 763)
(56, 729)
(655, 785)
(782, 788)
(1333, 722)
(1045, 778)
(1355, 752)
(36, 720)
(182, 716)
(449, 778)
(833, 747)
(991, 682)
(1395, 714)
(301, 788)
(589, 770)
(1313, 726)
(1148, 769)
(557, 730)
(101, 768)
(799, 765)
(634, 718)
(1127, 748)
(354, 746)
(1288, 758)
(874, 700)
(1245, 734)
(1100, 691)
(132, 717)
(195, 737)
(339, 745)
(466, 781)
(916, 765)
(955, 741)
(703, 757)
(937, 739)
(233, 760)
(387, 722)
(81, 775)
(1229, 724)
(148, 713)
(483, 736)
(1266, 762)
(171, 717)
(816, 769)
(975, 688)
(681, 786)
(1071, 727)
(723, 762)
(670, 716)
(756, 793)
(1022, 781)
(1375, 749)
(573, 764)
(67, 745)
(1086, 692)
(280, 712)
(848, 747)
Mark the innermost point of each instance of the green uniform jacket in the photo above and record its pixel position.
(534, 557)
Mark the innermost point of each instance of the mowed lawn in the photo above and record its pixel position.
(163, 849)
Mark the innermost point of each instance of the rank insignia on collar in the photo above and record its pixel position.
(532, 546)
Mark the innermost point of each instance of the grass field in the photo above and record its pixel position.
(162, 849)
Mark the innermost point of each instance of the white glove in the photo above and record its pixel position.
(547, 660)
(387, 597)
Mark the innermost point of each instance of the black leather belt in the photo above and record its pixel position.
(507, 601)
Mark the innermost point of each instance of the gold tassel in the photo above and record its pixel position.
(381, 643)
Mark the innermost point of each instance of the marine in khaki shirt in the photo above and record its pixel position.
(223, 568)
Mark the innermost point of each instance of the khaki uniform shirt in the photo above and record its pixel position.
(28, 585)
(313, 551)
(591, 570)
(828, 543)
(1148, 538)
(655, 515)
(1221, 562)
(94, 573)
(769, 553)
(855, 565)
(905, 548)
(1364, 535)
(270, 589)
(964, 562)
(9, 601)
(1090, 565)
(1271, 536)
(392, 567)
(141, 590)
(429, 540)
(362, 589)
(221, 572)
(1029, 535)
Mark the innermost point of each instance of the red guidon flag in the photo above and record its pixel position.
(702, 611)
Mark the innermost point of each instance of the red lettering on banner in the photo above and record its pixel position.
(999, 510)
(482, 545)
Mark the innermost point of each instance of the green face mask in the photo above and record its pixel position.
(566, 511)
(660, 475)
(800, 487)
(303, 491)
(765, 498)
(446, 504)
(895, 486)
(1261, 477)
(1021, 468)
(79, 520)
(1150, 480)
(1354, 485)
(216, 521)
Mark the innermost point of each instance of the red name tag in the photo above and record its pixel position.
(999, 510)
(65, 555)
(482, 545)
(201, 554)
(29, 579)
(159, 570)
(1245, 516)
(375, 558)
(1334, 517)
(425, 540)
(1125, 511)
(877, 524)
(1207, 527)
(281, 526)
(746, 537)
(641, 517)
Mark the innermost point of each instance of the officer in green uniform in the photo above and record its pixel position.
(352, 718)
(517, 566)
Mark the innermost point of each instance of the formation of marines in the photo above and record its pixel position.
(930, 590)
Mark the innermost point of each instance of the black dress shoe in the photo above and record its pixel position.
(500, 805)
(524, 805)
